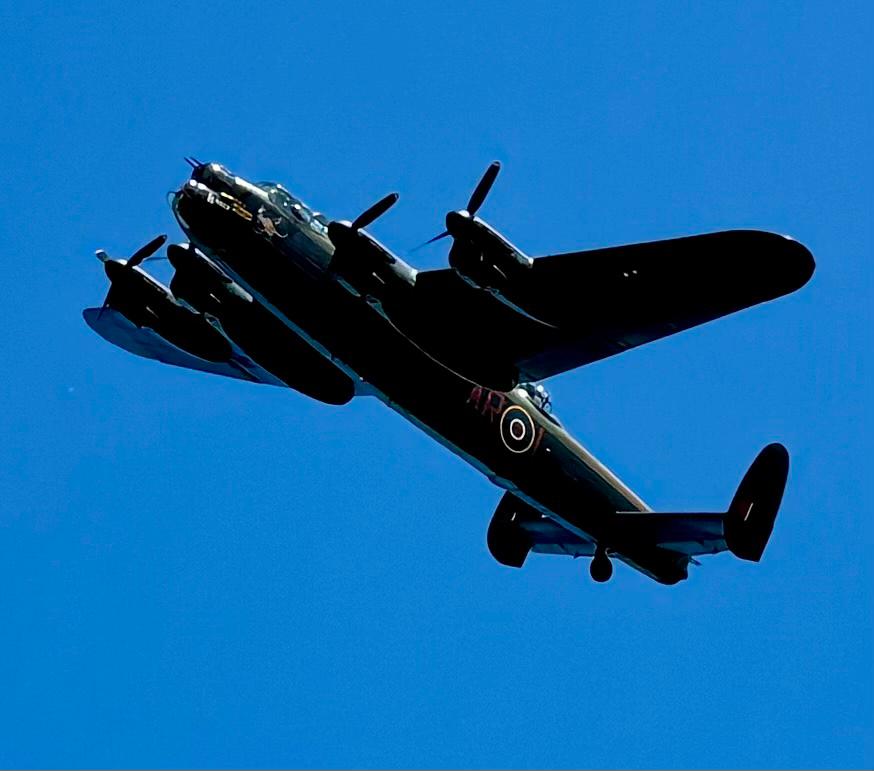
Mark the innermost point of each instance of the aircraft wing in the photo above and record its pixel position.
(115, 328)
(602, 302)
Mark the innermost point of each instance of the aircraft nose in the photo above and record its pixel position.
(214, 176)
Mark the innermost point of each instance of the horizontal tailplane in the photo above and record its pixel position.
(750, 518)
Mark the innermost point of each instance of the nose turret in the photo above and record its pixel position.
(211, 190)
(213, 175)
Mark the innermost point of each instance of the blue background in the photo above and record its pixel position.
(196, 571)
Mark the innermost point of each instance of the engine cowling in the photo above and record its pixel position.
(366, 267)
(200, 282)
(481, 255)
(491, 270)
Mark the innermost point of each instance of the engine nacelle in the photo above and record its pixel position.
(261, 335)
(481, 255)
(147, 303)
(366, 267)
(491, 270)
(200, 282)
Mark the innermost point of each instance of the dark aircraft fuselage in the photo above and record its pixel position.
(282, 256)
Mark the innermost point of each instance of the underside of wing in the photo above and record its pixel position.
(580, 307)
(116, 329)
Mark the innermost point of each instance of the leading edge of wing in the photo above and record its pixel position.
(607, 301)
(758, 264)
(780, 254)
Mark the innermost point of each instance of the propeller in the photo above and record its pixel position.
(144, 252)
(193, 162)
(438, 237)
(138, 257)
(477, 198)
(340, 232)
(374, 212)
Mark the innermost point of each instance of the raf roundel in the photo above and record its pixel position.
(517, 429)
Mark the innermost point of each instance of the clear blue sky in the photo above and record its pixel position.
(200, 572)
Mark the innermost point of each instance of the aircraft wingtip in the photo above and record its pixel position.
(801, 263)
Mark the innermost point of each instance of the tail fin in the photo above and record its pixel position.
(750, 518)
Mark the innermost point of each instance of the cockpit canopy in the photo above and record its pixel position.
(294, 206)
(279, 195)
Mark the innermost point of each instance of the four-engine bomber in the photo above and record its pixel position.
(267, 290)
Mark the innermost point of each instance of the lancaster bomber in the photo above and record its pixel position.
(267, 290)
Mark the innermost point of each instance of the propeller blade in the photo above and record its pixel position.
(482, 189)
(375, 211)
(432, 240)
(193, 162)
(146, 251)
